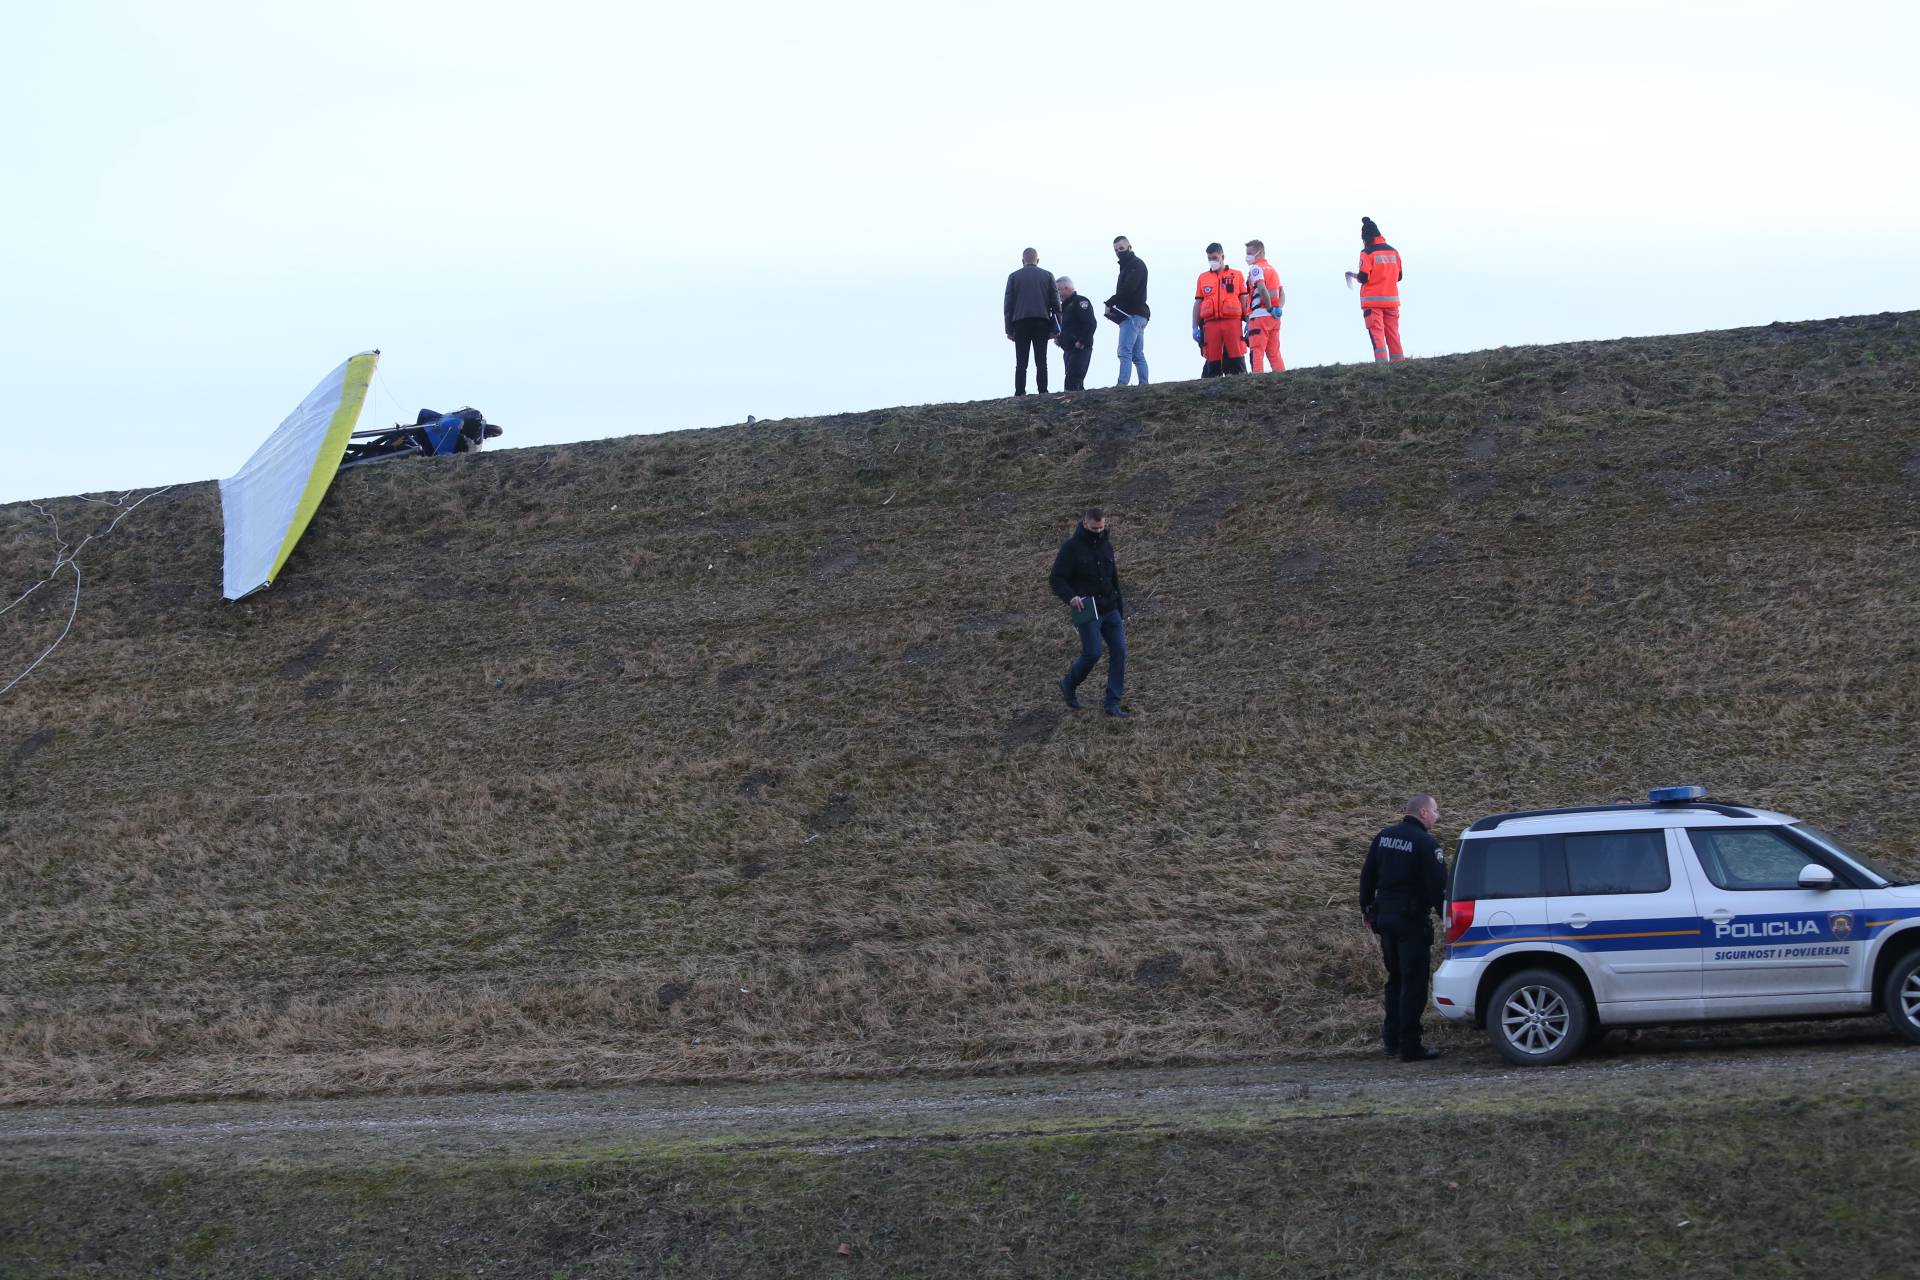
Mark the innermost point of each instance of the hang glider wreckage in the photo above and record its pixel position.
(268, 503)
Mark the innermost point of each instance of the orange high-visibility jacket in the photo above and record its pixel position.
(1222, 294)
(1263, 282)
(1380, 269)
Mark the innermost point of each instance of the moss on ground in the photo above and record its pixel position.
(1717, 1187)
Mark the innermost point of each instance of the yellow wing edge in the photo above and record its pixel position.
(333, 447)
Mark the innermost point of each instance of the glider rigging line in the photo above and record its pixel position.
(63, 559)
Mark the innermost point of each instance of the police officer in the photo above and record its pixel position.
(1077, 325)
(1401, 889)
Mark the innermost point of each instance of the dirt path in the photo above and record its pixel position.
(861, 1115)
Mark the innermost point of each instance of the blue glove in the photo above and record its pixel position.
(1196, 335)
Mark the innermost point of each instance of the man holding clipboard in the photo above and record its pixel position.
(1085, 578)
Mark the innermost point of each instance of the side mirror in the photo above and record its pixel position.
(1815, 876)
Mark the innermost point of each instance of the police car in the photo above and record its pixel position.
(1562, 921)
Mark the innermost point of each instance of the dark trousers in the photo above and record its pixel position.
(1030, 337)
(1110, 628)
(1076, 362)
(1406, 952)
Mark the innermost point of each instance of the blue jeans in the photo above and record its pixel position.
(1133, 348)
(1111, 628)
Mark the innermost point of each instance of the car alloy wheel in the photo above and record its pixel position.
(1535, 1020)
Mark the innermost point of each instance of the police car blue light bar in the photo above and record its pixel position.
(1676, 795)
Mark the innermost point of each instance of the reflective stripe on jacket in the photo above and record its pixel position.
(1263, 287)
(1380, 265)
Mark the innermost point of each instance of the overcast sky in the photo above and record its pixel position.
(600, 219)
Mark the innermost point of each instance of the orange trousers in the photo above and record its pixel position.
(1263, 340)
(1220, 339)
(1383, 326)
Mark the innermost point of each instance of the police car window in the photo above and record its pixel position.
(1618, 862)
(1508, 868)
(1878, 876)
(1749, 857)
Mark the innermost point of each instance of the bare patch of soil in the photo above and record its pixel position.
(1204, 513)
(1572, 484)
(1471, 486)
(1159, 971)
(1482, 446)
(837, 812)
(735, 675)
(1301, 565)
(1362, 499)
(32, 745)
(302, 664)
(1030, 728)
(1686, 487)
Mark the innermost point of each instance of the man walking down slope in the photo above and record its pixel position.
(1030, 309)
(1077, 326)
(1086, 578)
(1128, 310)
(1379, 279)
(1401, 888)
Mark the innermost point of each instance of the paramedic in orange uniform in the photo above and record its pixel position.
(1265, 297)
(1379, 279)
(1219, 307)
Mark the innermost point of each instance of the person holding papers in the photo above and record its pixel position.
(1379, 277)
(1128, 310)
(1088, 583)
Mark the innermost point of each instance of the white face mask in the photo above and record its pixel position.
(1252, 258)
(1214, 264)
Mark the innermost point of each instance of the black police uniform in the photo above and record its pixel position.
(1077, 325)
(1401, 889)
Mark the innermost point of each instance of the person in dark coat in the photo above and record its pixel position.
(1402, 887)
(1077, 325)
(1128, 309)
(1085, 577)
(1031, 311)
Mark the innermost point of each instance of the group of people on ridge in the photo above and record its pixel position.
(1235, 312)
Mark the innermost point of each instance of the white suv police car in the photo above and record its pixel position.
(1561, 921)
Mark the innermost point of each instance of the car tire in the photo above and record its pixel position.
(1901, 996)
(1538, 1018)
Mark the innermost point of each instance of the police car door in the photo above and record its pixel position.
(1769, 944)
(1624, 903)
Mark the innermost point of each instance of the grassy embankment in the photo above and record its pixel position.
(734, 753)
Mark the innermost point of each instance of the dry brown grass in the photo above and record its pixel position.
(734, 753)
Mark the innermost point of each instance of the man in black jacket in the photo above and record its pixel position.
(1085, 577)
(1401, 888)
(1077, 323)
(1030, 309)
(1129, 310)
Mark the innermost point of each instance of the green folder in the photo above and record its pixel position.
(1087, 612)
